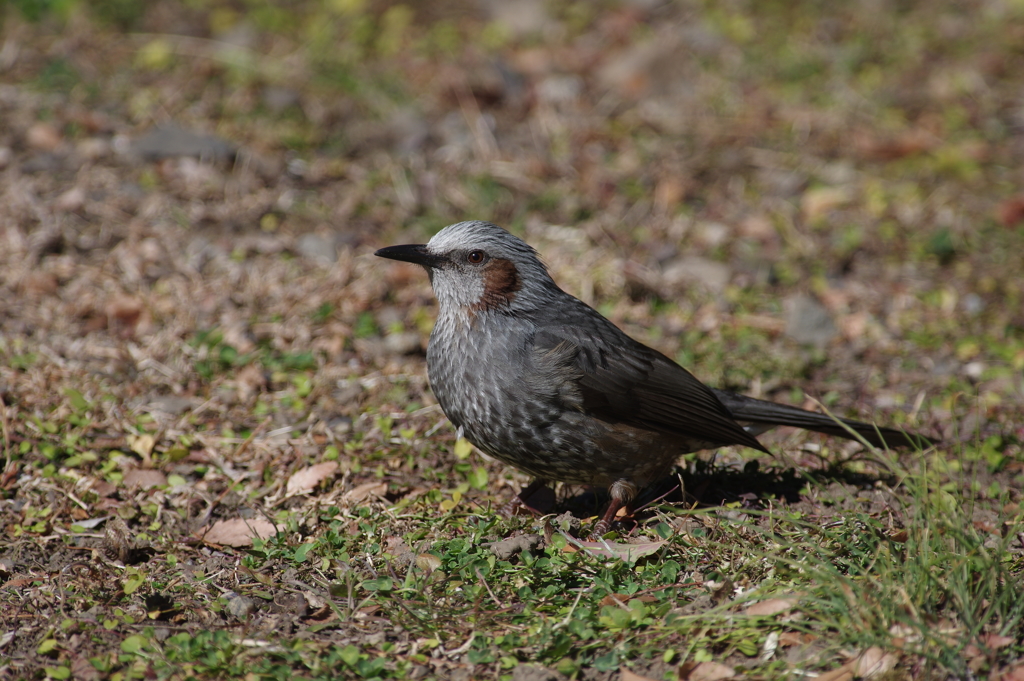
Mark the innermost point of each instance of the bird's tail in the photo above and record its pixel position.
(763, 415)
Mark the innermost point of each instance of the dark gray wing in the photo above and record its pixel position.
(623, 381)
(759, 412)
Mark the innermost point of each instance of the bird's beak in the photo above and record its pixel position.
(414, 253)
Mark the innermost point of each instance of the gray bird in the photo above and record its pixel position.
(540, 380)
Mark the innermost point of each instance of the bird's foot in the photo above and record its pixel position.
(604, 525)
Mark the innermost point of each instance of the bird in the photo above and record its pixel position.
(541, 381)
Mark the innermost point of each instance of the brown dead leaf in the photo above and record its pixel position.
(708, 671)
(995, 641)
(43, 136)
(844, 673)
(1015, 673)
(669, 192)
(83, 669)
(250, 380)
(874, 147)
(124, 313)
(853, 326)
(1010, 212)
(238, 532)
(308, 478)
(362, 492)
(788, 639)
(899, 536)
(324, 614)
(70, 201)
(772, 606)
(144, 478)
(873, 662)
(816, 202)
(626, 675)
(38, 284)
(622, 599)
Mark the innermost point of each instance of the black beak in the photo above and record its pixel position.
(414, 253)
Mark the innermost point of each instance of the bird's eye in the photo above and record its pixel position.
(476, 257)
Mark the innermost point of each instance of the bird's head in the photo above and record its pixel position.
(478, 267)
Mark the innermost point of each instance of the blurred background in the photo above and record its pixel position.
(784, 196)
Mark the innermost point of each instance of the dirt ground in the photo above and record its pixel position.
(820, 206)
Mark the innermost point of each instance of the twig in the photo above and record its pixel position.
(487, 586)
(252, 436)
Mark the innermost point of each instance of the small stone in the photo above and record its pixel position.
(403, 343)
(695, 270)
(45, 162)
(239, 607)
(974, 370)
(558, 89)
(712, 234)
(172, 141)
(277, 98)
(93, 148)
(317, 247)
(170, 404)
(71, 200)
(522, 18)
(808, 322)
(973, 304)
(44, 137)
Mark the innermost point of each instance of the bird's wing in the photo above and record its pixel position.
(622, 381)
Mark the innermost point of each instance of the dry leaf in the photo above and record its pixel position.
(622, 599)
(142, 445)
(1010, 212)
(710, 671)
(844, 673)
(626, 675)
(907, 143)
(364, 491)
(428, 562)
(772, 606)
(610, 549)
(788, 639)
(816, 202)
(238, 532)
(1015, 673)
(873, 662)
(995, 641)
(125, 310)
(43, 136)
(308, 478)
(144, 478)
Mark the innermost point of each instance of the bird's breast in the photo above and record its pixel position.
(470, 368)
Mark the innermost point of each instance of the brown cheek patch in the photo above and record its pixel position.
(501, 282)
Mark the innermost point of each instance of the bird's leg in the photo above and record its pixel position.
(512, 505)
(623, 491)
